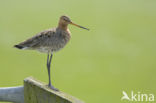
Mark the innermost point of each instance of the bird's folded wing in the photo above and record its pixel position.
(38, 40)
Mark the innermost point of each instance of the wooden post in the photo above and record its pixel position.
(34, 91)
(37, 92)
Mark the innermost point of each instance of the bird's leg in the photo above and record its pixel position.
(48, 67)
(49, 64)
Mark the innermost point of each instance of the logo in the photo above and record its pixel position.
(138, 96)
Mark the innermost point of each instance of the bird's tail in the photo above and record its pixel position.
(18, 46)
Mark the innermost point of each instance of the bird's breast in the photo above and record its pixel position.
(56, 42)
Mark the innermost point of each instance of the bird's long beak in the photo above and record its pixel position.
(79, 26)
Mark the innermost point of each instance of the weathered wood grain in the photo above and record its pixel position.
(37, 92)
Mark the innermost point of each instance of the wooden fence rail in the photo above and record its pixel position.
(35, 91)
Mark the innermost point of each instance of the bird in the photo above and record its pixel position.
(50, 41)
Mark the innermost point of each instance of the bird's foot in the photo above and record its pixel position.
(53, 88)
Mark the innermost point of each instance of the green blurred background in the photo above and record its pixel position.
(118, 53)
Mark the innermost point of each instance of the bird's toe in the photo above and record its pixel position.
(53, 88)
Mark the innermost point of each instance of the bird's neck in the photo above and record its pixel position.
(63, 26)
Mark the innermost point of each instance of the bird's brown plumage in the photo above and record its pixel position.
(47, 41)
(50, 40)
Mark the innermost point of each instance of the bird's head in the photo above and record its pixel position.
(65, 20)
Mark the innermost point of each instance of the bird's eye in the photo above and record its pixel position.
(65, 19)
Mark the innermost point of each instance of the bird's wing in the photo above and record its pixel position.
(38, 39)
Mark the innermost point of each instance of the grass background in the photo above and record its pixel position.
(118, 53)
